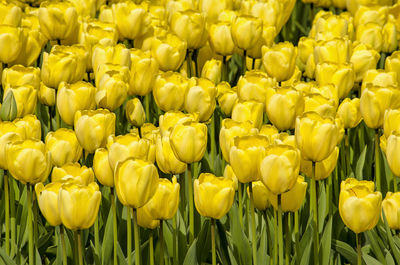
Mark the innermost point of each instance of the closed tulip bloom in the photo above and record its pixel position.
(79, 205)
(291, 200)
(227, 97)
(284, 118)
(324, 106)
(280, 60)
(270, 131)
(143, 73)
(92, 128)
(248, 111)
(11, 40)
(200, 97)
(132, 20)
(19, 75)
(360, 208)
(349, 183)
(190, 26)
(111, 91)
(213, 196)
(392, 64)
(167, 162)
(85, 8)
(105, 54)
(363, 58)
(136, 182)
(25, 98)
(392, 153)
(245, 156)
(189, 141)
(391, 121)
(305, 50)
(213, 9)
(10, 14)
(349, 112)
(110, 70)
(29, 126)
(375, 101)
(46, 95)
(73, 173)
(47, 197)
(145, 220)
(74, 97)
(102, 169)
(246, 30)
(229, 130)
(336, 50)
(370, 34)
(220, 38)
(169, 90)
(389, 37)
(150, 132)
(212, 70)
(316, 136)
(169, 51)
(9, 133)
(135, 112)
(330, 26)
(172, 118)
(260, 195)
(280, 168)
(379, 77)
(63, 146)
(254, 86)
(28, 161)
(323, 169)
(391, 206)
(228, 173)
(366, 14)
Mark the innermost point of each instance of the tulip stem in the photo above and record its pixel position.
(151, 246)
(244, 62)
(30, 223)
(137, 237)
(96, 235)
(174, 248)
(377, 162)
(213, 145)
(296, 235)
(347, 153)
(161, 238)
(7, 213)
(314, 210)
(240, 204)
(280, 232)
(147, 106)
(191, 209)
(115, 229)
(358, 239)
(64, 251)
(129, 235)
(394, 182)
(224, 75)
(214, 255)
(189, 63)
(287, 239)
(253, 64)
(80, 254)
(275, 254)
(253, 225)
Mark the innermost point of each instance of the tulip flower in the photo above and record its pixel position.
(228, 173)
(9, 133)
(392, 154)
(349, 112)
(172, 118)
(363, 58)
(254, 85)
(391, 122)
(134, 112)
(118, 55)
(19, 75)
(10, 14)
(246, 30)
(305, 50)
(168, 91)
(11, 39)
(46, 95)
(248, 111)
(390, 37)
(391, 205)
(323, 169)
(143, 72)
(63, 147)
(392, 64)
(379, 78)
(336, 50)
(25, 98)
(212, 70)
(47, 197)
(279, 61)
(102, 169)
(169, 51)
(167, 162)
(227, 97)
(260, 195)
(145, 220)
(213, 9)
(112, 90)
(73, 173)
(220, 38)
(29, 127)
(150, 132)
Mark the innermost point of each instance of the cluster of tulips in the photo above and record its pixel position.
(137, 107)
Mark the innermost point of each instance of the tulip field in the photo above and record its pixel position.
(185, 132)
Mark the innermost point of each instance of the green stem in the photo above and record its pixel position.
(359, 258)
(129, 235)
(377, 162)
(161, 237)
(280, 233)
(151, 246)
(115, 228)
(137, 237)
(214, 255)
(12, 216)
(30, 223)
(394, 183)
(275, 254)
(240, 204)
(97, 236)
(7, 213)
(191, 209)
(247, 212)
(147, 106)
(189, 63)
(314, 210)
(213, 144)
(64, 250)
(80, 254)
(296, 235)
(224, 75)
(329, 194)
(58, 119)
(174, 240)
(253, 225)
(196, 64)
(347, 153)
(253, 64)
(244, 62)
(287, 239)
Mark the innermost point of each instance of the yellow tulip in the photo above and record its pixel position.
(112, 90)
(268, 130)
(28, 161)
(19, 75)
(260, 195)
(73, 173)
(391, 122)
(330, 26)
(291, 200)
(363, 58)
(29, 126)
(254, 86)
(320, 104)
(167, 162)
(167, 191)
(392, 64)
(10, 14)
(389, 37)
(391, 206)
(169, 51)
(11, 40)
(105, 54)
(227, 97)
(189, 141)
(370, 34)
(213, 196)
(246, 30)
(360, 207)
(9, 133)
(145, 220)
(248, 111)
(169, 90)
(220, 38)
(311, 128)
(280, 168)
(323, 169)
(102, 169)
(349, 112)
(25, 98)
(92, 127)
(63, 146)
(136, 182)
(337, 50)
(392, 153)
(200, 97)
(47, 197)
(172, 118)
(284, 118)
(85, 8)
(212, 70)
(305, 50)
(228, 173)
(79, 205)
(143, 72)
(134, 112)
(366, 14)
(379, 78)
(279, 61)
(349, 183)
(46, 95)
(213, 9)
(245, 156)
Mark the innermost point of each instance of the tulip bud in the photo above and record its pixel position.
(213, 9)
(379, 78)
(305, 50)
(220, 38)
(63, 147)
(8, 110)
(227, 97)
(363, 59)
(136, 182)
(254, 86)
(28, 161)
(189, 141)
(391, 122)
(9, 133)
(370, 34)
(280, 168)
(11, 39)
(92, 128)
(228, 173)
(10, 14)
(19, 75)
(360, 207)
(145, 220)
(284, 118)
(79, 205)
(25, 98)
(391, 206)
(47, 197)
(279, 61)
(322, 105)
(46, 95)
(112, 90)
(169, 51)
(143, 72)
(167, 162)
(74, 97)
(29, 126)
(212, 70)
(291, 200)
(118, 55)
(349, 112)
(260, 195)
(200, 97)
(213, 196)
(312, 128)
(335, 50)
(102, 169)
(323, 169)
(135, 112)
(246, 30)
(73, 173)
(168, 91)
(172, 118)
(248, 111)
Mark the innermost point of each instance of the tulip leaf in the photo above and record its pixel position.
(262, 256)
(345, 250)
(191, 256)
(370, 260)
(241, 245)
(204, 242)
(389, 259)
(360, 164)
(107, 244)
(222, 243)
(6, 259)
(394, 249)
(322, 212)
(326, 242)
(372, 237)
(306, 244)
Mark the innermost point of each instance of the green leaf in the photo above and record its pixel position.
(389, 259)
(191, 255)
(345, 250)
(204, 242)
(7, 260)
(393, 247)
(222, 243)
(306, 244)
(241, 245)
(107, 244)
(326, 242)
(360, 164)
(370, 260)
(372, 237)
